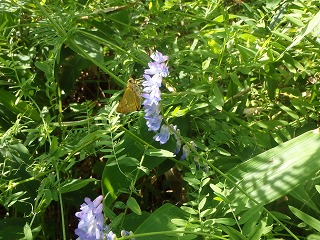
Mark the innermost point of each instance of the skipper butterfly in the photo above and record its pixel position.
(131, 100)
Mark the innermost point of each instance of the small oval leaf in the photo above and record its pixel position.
(159, 153)
(134, 206)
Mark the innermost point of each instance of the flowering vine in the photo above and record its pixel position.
(152, 96)
(91, 222)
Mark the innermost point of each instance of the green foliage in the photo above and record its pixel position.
(243, 85)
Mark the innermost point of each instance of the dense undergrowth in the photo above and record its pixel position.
(241, 97)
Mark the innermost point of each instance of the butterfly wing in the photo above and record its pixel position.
(131, 100)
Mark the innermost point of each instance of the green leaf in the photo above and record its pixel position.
(216, 98)
(232, 233)
(246, 53)
(202, 203)
(160, 220)
(311, 221)
(301, 105)
(206, 63)
(272, 124)
(207, 212)
(189, 210)
(279, 170)
(256, 210)
(225, 221)
(19, 158)
(159, 153)
(257, 231)
(27, 232)
(302, 195)
(72, 185)
(294, 20)
(126, 161)
(116, 220)
(313, 237)
(272, 4)
(8, 100)
(314, 22)
(134, 206)
(11, 228)
(288, 111)
(93, 49)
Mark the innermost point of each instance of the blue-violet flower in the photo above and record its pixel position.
(151, 104)
(164, 134)
(91, 224)
(151, 90)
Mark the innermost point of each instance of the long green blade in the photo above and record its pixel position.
(276, 172)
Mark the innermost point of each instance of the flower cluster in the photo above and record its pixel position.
(91, 220)
(91, 225)
(151, 90)
(151, 104)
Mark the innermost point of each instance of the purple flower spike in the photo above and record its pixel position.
(91, 224)
(151, 103)
(151, 90)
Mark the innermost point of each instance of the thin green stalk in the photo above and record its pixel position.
(61, 204)
(133, 183)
